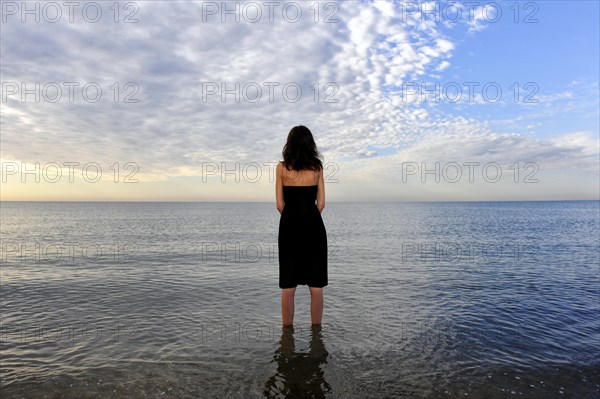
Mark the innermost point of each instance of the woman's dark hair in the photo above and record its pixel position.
(300, 152)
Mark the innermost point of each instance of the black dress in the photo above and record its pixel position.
(302, 239)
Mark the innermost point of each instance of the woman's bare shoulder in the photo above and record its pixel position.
(280, 167)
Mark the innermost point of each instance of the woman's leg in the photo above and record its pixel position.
(287, 305)
(316, 305)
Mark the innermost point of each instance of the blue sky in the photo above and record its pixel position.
(170, 138)
(559, 49)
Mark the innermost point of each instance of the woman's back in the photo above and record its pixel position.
(305, 177)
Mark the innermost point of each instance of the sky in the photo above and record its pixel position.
(407, 101)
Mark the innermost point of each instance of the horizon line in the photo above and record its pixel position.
(273, 202)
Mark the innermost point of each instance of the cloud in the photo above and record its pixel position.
(482, 16)
(464, 140)
(348, 72)
(170, 54)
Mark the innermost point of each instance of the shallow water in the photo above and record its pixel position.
(490, 300)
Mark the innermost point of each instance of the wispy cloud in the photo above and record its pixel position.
(171, 54)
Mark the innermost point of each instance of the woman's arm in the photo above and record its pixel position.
(279, 187)
(321, 192)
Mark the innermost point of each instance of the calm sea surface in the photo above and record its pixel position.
(181, 300)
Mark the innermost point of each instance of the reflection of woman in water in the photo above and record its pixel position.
(298, 375)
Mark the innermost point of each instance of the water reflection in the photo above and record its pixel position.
(298, 375)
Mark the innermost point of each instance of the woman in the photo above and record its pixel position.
(302, 237)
